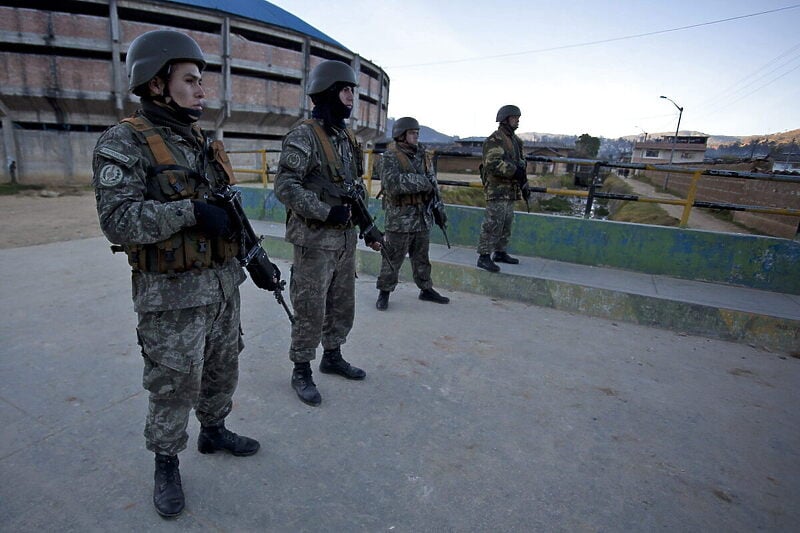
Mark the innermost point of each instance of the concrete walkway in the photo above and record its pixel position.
(698, 219)
(484, 415)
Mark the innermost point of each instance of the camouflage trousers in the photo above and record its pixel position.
(397, 244)
(191, 360)
(496, 227)
(322, 289)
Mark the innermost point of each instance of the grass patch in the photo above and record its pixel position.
(7, 189)
(638, 212)
(472, 196)
(556, 204)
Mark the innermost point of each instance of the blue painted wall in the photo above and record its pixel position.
(747, 260)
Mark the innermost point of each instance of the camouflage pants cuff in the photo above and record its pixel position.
(302, 356)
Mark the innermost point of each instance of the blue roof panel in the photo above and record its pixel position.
(262, 11)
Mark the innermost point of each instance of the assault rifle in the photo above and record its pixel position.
(367, 230)
(352, 195)
(252, 256)
(436, 207)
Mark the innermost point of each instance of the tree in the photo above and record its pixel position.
(587, 146)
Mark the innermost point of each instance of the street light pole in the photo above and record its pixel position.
(674, 141)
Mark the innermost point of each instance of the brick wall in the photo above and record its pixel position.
(743, 192)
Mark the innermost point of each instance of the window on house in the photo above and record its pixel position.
(686, 155)
(651, 153)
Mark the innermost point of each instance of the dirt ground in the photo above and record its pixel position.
(40, 217)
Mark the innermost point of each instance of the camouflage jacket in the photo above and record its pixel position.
(407, 191)
(502, 152)
(129, 216)
(302, 161)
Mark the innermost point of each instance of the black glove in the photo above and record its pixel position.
(373, 235)
(211, 220)
(439, 215)
(264, 273)
(338, 215)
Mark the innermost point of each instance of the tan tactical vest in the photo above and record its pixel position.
(332, 169)
(408, 168)
(169, 179)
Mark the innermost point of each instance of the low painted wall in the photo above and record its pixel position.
(765, 263)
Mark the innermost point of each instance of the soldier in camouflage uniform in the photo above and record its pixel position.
(152, 173)
(503, 172)
(408, 182)
(320, 160)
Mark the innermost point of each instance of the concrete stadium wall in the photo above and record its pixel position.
(62, 75)
(757, 262)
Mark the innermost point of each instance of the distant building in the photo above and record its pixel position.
(688, 149)
(786, 162)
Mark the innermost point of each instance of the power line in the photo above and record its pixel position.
(752, 78)
(601, 41)
(770, 82)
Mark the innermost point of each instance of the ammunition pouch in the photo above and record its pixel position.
(411, 199)
(168, 181)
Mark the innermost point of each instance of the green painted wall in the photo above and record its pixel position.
(747, 260)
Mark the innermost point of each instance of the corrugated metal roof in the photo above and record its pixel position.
(262, 11)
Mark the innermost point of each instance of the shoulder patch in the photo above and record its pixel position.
(110, 176)
(115, 155)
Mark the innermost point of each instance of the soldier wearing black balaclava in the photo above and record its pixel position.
(318, 158)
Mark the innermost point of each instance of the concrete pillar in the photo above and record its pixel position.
(356, 64)
(11, 167)
(118, 75)
(227, 84)
(304, 80)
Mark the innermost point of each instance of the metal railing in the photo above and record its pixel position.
(688, 203)
(262, 171)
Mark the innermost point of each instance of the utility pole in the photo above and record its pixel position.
(674, 141)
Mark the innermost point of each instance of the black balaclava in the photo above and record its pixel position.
(329, 108)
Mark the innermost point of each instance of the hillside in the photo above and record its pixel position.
(430, 135)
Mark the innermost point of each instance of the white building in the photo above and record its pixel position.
(688, 149)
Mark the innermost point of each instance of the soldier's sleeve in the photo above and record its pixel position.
(120, 181)
(297, 161)
(495, 160)
(398, 182)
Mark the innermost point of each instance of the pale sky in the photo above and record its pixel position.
(453, 63)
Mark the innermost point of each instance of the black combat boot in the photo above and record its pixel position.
(304, 386)
(383, 301)
(215, 438)
(503, 257)
(333, 363)
(168, 493)
(430, 295)
(485, 262)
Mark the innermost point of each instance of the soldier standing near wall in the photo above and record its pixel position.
(320, 165)
(152, 175)
(408, 182)
(505, 180)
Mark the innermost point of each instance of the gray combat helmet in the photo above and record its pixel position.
(150, 51)
(401, 125)
(507, 111)
(324, 75)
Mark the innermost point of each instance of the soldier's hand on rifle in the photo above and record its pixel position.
(212, 220)
(339, 215)
(265, 274)
(439, 215)
(374, 239)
